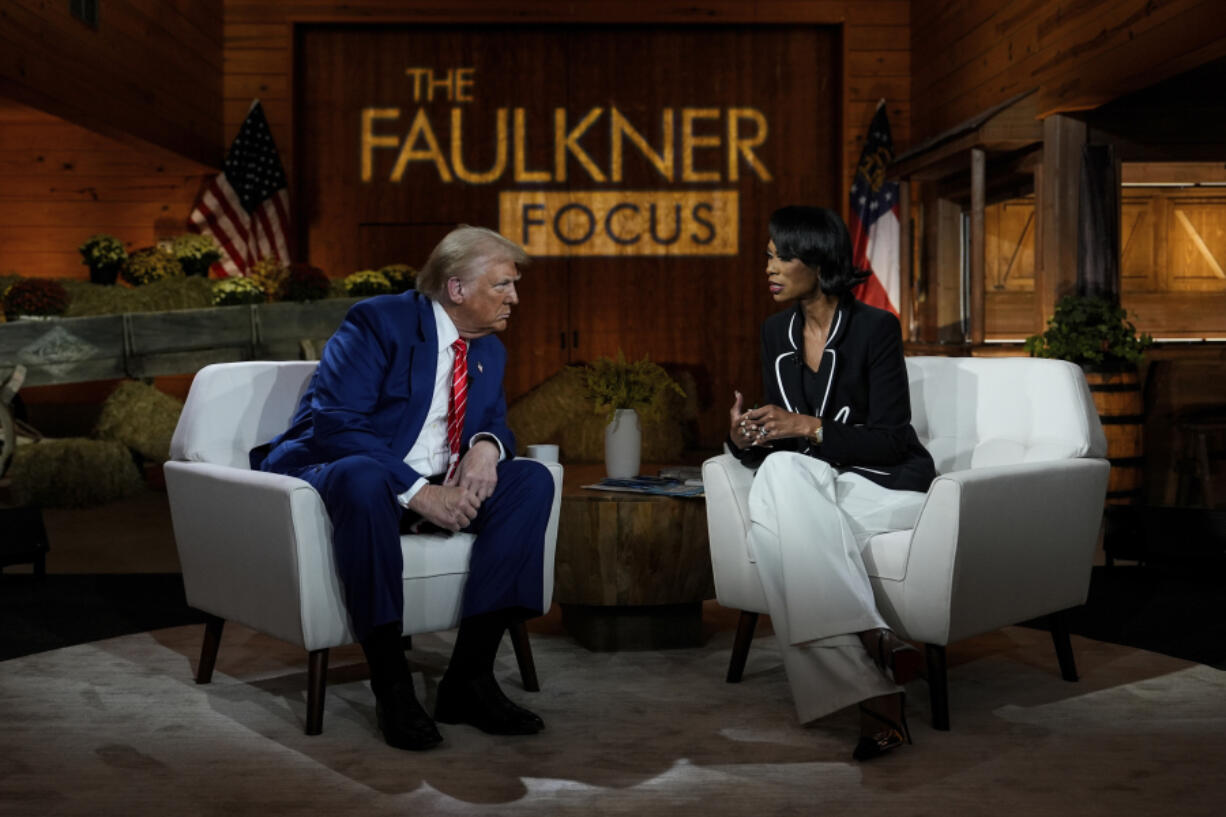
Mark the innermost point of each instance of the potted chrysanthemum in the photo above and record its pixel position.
(104, 255)
(34, 298)
(196, 253)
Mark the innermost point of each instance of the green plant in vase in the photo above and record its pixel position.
(196, 253)
(1094, 333)
(104, 255)
(624, 391)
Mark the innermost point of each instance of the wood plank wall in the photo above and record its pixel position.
(969, 55)
(258, 41)
(151, 71)
(61, 183)
(156, 73)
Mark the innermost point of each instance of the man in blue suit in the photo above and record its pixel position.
(397, 432)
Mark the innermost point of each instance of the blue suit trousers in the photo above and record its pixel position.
(507, 562)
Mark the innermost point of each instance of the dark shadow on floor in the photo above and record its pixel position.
(1174, 608)
(62, 610)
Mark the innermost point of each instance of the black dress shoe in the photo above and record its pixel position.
(480, 702)
(403, 721)
(879, 743)
(515, 709)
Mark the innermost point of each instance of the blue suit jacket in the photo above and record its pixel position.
(373, 388)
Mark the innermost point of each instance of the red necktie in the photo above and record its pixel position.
(458, 402)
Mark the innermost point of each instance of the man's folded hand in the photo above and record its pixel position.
(478, 470)
(451, 507)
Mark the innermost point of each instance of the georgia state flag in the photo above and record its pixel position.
(874, 218)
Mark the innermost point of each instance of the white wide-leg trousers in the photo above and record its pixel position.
(808, 526)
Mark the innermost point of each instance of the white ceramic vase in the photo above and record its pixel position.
(623, 444)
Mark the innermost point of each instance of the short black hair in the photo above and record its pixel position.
(819, 238)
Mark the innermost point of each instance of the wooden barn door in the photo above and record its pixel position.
(637, 165)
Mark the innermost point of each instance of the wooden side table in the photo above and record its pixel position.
(632, 570)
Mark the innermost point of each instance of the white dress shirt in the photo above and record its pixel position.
(430, 454)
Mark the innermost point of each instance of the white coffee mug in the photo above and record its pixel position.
(543, 452)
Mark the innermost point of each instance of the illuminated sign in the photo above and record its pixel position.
(612, 222)
(697, 145)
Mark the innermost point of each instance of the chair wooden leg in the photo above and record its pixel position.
(740, 647)
(317, 687)
(938, 686)
(523, 655)
(1064, 647)
(208, 649)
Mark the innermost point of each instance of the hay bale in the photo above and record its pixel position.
(160, 296)
(140, 417)
(559, 411)
(72, 473)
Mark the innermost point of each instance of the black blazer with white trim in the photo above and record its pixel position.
(866, 405)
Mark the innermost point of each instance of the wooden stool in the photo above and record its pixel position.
(1195, 464)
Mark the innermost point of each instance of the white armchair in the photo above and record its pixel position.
(1008, 529)
(256, 547)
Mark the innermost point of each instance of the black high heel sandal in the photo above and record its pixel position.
(887, 740)
(896, 658)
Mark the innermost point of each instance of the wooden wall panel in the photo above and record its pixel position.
(969, 55)
(876, 65)
(150, 72)
(60, 184)
(1172, 255)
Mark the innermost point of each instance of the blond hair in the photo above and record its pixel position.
(464, 253)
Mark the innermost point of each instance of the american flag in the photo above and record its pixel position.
(246, 206)
(874, 218)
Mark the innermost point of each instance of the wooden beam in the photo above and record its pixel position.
(1173, 173)
(1056, 272)
(930, 260)
(977, 249)
(947, 276)
(1098, 220)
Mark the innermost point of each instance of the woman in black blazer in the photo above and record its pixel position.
(837, 462)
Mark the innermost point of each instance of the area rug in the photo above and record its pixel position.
(117, 727)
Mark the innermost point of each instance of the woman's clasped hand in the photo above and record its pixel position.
(764, 424)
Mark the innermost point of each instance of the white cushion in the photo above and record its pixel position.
(977, 412)
(233, 407)
(436, 554)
